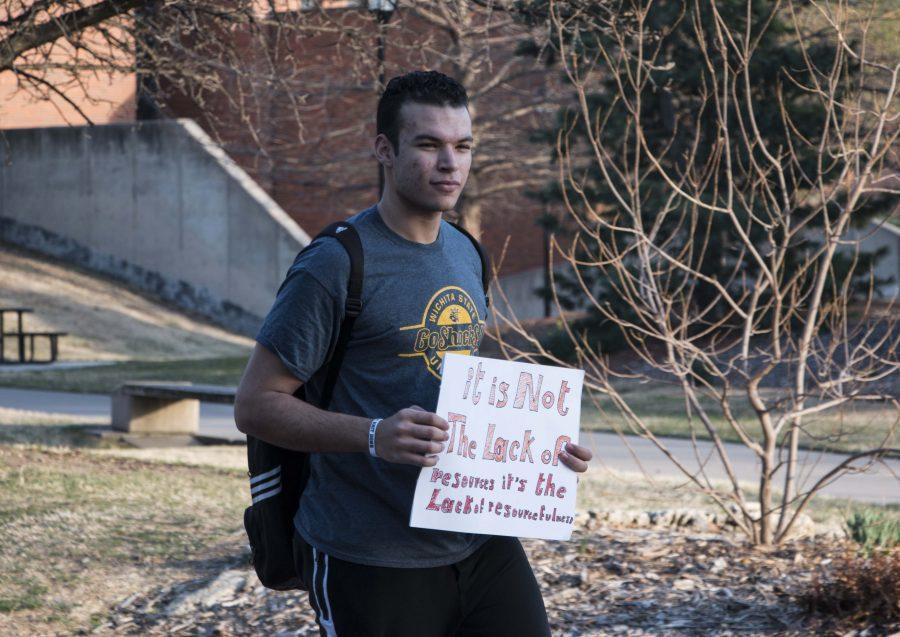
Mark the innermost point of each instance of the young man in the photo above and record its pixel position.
(370, 573)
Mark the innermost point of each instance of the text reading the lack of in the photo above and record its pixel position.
(500, 470)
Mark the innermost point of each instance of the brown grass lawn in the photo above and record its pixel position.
(857, 427)
(82, 531)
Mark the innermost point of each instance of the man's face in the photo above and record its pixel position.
(435, 154)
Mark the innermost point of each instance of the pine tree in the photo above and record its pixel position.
(678, 119)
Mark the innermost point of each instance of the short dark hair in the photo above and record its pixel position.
(421, 87)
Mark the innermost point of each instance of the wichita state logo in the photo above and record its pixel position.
(450, 323)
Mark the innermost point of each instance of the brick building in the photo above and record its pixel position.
(314, 157)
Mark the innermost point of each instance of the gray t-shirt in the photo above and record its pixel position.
(418, 302)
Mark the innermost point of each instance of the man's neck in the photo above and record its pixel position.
(420, 227)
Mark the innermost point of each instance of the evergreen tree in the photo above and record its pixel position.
(677, 112)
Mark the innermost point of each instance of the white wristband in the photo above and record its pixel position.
(372, 429)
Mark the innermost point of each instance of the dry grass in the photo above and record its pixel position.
(81, 532)
(19, 426)
(855, 428)
(104, 379)
(105, 319)
(16, 417)
(231, 457)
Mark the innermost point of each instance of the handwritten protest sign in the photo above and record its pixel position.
(499, 472)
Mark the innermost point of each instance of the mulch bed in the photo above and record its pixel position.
(605, 581)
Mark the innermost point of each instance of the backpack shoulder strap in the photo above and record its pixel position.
(348, 237)
(486, 274)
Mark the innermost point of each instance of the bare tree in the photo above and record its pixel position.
(781, 329)
(54, 48)
(489, 46)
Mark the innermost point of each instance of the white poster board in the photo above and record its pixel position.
(500, 473)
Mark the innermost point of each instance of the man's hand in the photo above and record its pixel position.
(576, 457)
(411, 436)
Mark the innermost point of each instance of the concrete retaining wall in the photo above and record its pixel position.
(157, 204)
(875, 236)
(519, 298)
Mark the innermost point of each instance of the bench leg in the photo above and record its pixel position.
(140, 414)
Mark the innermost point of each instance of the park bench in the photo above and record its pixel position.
(20, 336)
(148, 407)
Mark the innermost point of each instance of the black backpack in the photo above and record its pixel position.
(277, 475)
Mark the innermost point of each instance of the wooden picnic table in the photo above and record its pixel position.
(20, 335)
(3, 333)
(53, 338)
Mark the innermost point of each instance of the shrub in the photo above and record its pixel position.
(858, 588)
(873, 530)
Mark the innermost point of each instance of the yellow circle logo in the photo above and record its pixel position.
(450, 323)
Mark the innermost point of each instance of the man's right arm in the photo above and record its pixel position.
(266, 408)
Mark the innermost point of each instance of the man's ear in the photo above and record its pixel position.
(384, 151)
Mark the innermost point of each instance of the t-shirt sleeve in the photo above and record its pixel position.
(303, 324)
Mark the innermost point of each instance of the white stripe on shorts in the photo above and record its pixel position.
(327, 624)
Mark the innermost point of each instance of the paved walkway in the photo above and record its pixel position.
(9, 368)
(879, 485)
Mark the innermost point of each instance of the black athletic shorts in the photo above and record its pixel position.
(491, 593)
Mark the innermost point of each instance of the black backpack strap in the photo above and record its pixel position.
(346, 234)
(486, 274)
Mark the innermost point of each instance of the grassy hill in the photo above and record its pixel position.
(105, 319)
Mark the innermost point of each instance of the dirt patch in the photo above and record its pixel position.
(105, 319)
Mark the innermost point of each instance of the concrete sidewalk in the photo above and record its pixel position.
(878, 485)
